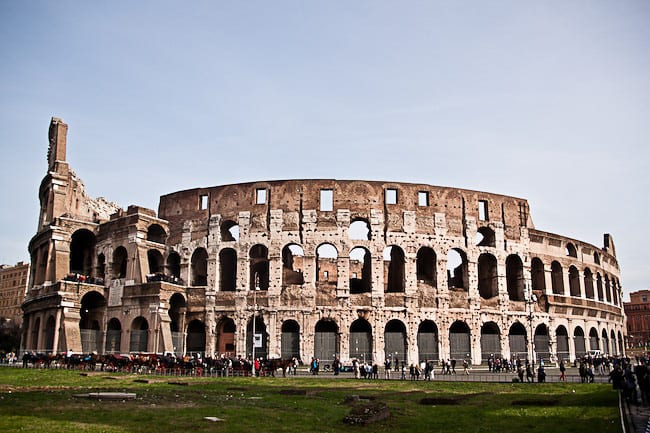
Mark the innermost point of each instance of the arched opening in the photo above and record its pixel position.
(620, 343)
(589, 283)
(326, 264)
(515, 277)
(487, 276)
(608, 289)
(155, 259)
(177, 309)
(120, 257)
(599, 287)
(542, 343)
(195, 342)
(518, 341)
(261, 348)
(457, 269)
(485, 237)
(615, 290)
(579, 342)
(93, 306)
(113, 336)
(290, 340)
(537, 276)
(229, 231)
(613, 343)
(426, 266)
(395, 343)
(35, 331)
(174, 266)
(606, 348)
(82, 251)
(557, 279)
(428, 341)
(394, 274)
(199, 267)
(594, 343)
(293, 262)
(490, 341)
(139, 335)
(596, 258)
(460, 341)
(226, 337)
(574, 281)
(101, 269)
(155, 233)
(359, 230)
(326, 340)
(571, 250)
(361, 340)
(562, 338)
(360, 271)
(227, 270)
(50, 329)
(259, 267)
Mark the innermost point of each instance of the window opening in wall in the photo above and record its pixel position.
(260, 196)
(391, 196)
(360, 264)
(326, 274)
(482, 210)
(203, 201)
(326, 264)
(571, 250)
(326, 200)
(423, 198)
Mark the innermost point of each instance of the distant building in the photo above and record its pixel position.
(13, 287)
(638, 319)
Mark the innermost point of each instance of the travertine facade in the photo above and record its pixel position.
(356, 269)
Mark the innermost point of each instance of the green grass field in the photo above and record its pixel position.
(43, 401)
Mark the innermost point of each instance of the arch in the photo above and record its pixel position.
(176, 312)
(574, 281)
(426, 266)
(615, 290)
(619, 340)
(562, 339)
(259, 267)
(227, 270)
(537, 275)
(82, 251)
(226, 329)
(50, 330)
(571, 250)
(596, 258)
(293, 262)
(260, 329)
(155, 233)
(101, 268)
(542, 342)
(360, 271)
(359, 229)
(93, 306)
(518, 341)
(557, 279)
(608, 289)
(605, 338)
(394, 273)
(199, 267)
(515, 277)
(120, 257)
(113, 336)
(460, 341)
(229, 231)
(195, 342)
(35, 332)
(487, 276)
(395, 340)
(290, 340)
(485, 237)
(599, 287)
(594, 340)
(155, 260)
(139, 335)
(490, 341)
(361, 340)
(174, 265)
(428, 341)
(589, 283)
(326, 340)
(326, 264)
(579, 342)
(457, 269)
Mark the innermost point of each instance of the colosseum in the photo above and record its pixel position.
(313, 268)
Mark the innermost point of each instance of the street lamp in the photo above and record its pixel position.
(257, 288)
(531, 300)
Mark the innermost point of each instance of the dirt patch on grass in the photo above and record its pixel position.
(367, 413)
(452, 400)
(303, 392)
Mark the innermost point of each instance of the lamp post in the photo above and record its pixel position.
(257, 287)
(531, 300)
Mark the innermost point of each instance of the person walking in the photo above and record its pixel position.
(562, 371)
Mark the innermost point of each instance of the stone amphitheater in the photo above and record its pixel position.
(325, 268)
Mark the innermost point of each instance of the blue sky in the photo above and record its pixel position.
(548, 101)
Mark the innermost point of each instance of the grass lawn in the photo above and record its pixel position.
(43, 401)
